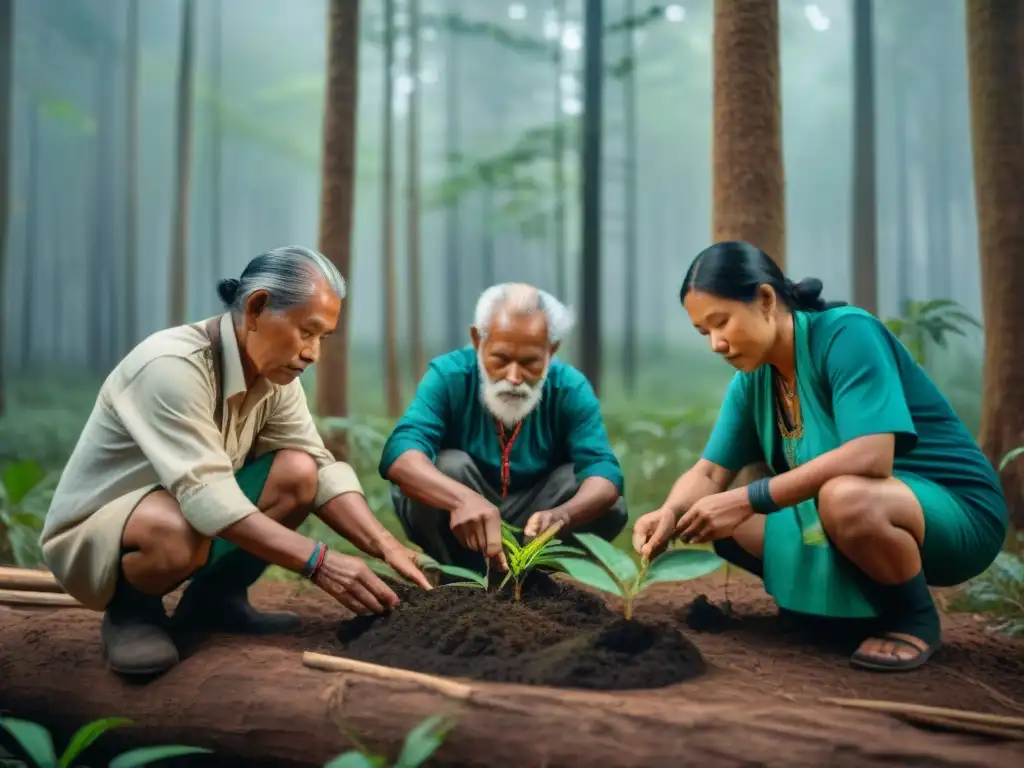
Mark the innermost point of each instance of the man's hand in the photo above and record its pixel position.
(541, 521)
(350, 581)
(653, 531)
(405, 561)
(476, 524)
(714, 517)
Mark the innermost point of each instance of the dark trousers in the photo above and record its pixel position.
(431, 528)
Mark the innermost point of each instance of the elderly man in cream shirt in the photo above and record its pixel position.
(199, 461)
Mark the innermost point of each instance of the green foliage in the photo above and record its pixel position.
(544, 550)
(36, 743)
(933, 320)
(420, 744)
(19, 525)
(998, 591)
(616, 573)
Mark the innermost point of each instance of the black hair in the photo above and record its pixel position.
(735, 270)
(285, 274)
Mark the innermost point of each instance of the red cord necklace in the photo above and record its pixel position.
(506, 451)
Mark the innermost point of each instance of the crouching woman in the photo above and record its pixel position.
(877, 490)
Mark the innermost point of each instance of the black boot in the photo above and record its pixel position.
(136, 642)
(217, 600)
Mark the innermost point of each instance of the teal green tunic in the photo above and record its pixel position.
(566, 427)
(854, 378)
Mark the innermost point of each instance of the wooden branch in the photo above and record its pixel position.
(901, 708)
(28, 597)
(28, 580)
(327, 663)
(962, 726)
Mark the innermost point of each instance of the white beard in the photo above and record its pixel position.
(510, 411)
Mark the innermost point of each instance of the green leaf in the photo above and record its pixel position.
(20, 478)
(1011, 456)
(590, 573)
(147, 755)
(423, 741)
(472, 584)
(352, 759)
(614, 559)
(682, 565)
(457, 571)
(87, 734)
(33, 738)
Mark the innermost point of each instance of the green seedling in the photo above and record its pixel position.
(37, 744)
(469, 578)
(617, 574)
(420, 744)
(545, 550)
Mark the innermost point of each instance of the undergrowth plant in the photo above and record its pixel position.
(19, 526)
(420, 744)
(615, 572)
(36, 743)
(544, 550)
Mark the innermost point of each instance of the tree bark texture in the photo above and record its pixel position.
(258, 705)
(6, 113)
(995, 58)
(337, 189)
(747, 169)
(183, 163)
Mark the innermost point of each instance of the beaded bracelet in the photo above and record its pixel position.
(760, 497)
(316, 559)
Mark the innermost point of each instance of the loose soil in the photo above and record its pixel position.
(557, 635)
(757, 702)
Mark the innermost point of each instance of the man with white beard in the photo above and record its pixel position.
(503, 430)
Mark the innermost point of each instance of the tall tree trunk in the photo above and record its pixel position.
(747, 169)
(6, 115)
(337, 191)
(590, 264)
(454, 322)
(99, 301)
(216, 142)
(183, 162)
(392, 374)
(864, 249)
(901, 191)
(558, 152)
(32, 249)
(995, 54)
(131, 175)
(629, 352)
(412, 215)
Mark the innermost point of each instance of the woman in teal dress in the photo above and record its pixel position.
(876, 488)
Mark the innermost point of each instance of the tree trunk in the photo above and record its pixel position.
(558, 152)
(216, 143)
(258, 705)
(131, 175)
(590, 263)
(864, 249)
(412, 215)
(6, 114)
(183, 161)
(747, 169)
(631, 265)
(337, 185)
(392, 373)
(454, 321)
(995, 56)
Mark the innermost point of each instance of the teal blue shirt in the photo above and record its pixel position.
(566, 426)
(876, 387)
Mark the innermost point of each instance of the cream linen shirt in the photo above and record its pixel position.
(153, 425)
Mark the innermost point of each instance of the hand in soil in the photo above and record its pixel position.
(406, 562)
(714, 517)
(541, 521)
(350, 581)
(476, 525)
(653, 531)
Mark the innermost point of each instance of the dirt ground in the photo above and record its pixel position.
(51, 664)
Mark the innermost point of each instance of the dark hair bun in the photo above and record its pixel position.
(227, 289)
(807, 292)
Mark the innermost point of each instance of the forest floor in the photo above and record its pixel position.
(758, 702)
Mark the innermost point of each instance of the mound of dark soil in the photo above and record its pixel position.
(557, 635)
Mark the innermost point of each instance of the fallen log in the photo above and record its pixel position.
(28, 580)
(31, 597)
(259, 705)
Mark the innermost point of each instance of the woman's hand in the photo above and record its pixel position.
(405, 562)
(350, 581)
(714, 517)
(653, 531)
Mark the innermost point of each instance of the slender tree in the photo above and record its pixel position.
(337, 190)
(454, 321)
(130, 170)
(6, 75)
(865, 226)
(630, 265)
(216, 137)
(183, 162)
(995, 54)
(747, 169)
(558, 166)
(590, 264)
(412, 192)
(392, 374)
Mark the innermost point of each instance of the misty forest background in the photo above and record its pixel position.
(589, 147)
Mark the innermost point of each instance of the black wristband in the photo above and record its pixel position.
(760, 497)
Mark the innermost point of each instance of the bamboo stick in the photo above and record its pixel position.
(29, 597)
(900, 708)
(29, 580)
(963, 726)
(327, 663)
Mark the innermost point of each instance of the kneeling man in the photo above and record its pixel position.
(200, 460)
(502, 430)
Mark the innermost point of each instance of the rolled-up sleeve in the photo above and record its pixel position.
(290, 426)
(168, 408)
